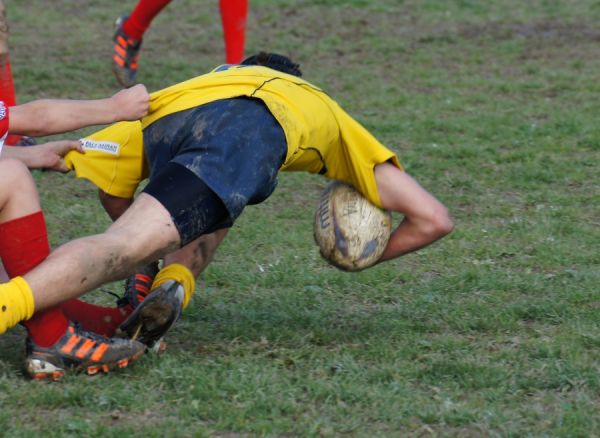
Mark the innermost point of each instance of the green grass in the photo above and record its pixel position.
(494, 331)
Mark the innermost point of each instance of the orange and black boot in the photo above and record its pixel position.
(125, 55)
(138, 286)
(79, 350)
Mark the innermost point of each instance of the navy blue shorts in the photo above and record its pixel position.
(234, 147)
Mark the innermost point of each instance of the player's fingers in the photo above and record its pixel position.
(61, 167)
(79, 147)
(66, 146)
(141, 90)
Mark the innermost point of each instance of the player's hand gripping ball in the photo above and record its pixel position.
(351, 232)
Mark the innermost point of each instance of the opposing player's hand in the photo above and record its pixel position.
(131, 103)
(50, 155)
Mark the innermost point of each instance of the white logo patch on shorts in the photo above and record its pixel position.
(101, 146)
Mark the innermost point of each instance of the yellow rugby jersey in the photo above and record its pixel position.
(321, 137)
(114, 159)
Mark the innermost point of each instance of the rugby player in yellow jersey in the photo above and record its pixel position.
(213, 145)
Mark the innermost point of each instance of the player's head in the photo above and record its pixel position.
(274, 61)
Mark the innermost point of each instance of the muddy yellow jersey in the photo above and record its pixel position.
(321, 137)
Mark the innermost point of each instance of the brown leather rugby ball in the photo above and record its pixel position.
(351, 232)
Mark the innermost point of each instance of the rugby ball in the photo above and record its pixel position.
(350, 231)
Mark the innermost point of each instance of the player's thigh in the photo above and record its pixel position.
(194, 207)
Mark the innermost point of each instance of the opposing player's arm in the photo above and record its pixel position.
(425, 218)
(47, 156)
(53, 116)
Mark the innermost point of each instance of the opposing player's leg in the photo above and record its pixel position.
(23, 245)
(102, 320)
(84, 264)
(18, 194)
(143, 233)
(425, 218)
(142, 15)
(128, 39)
(234, 14)
(7, 86)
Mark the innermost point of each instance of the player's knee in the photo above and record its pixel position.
(12, 169)
(16, 175)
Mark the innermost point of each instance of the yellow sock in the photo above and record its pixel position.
(16, 303)
(180, 274)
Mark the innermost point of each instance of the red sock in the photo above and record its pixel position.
(233, 16)
(7, 86)
(23, 245)
(97, 319)
(46, 327)
(7, 92)
(142, 15)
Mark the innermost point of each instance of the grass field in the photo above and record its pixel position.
(493, 331)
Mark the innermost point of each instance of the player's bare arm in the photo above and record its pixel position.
(425, 218)
(47, 156)
(54, 116)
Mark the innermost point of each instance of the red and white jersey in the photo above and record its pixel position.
(3, 123)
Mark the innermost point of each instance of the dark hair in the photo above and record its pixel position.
(274, 61)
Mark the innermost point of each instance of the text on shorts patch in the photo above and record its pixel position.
(108, 147)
